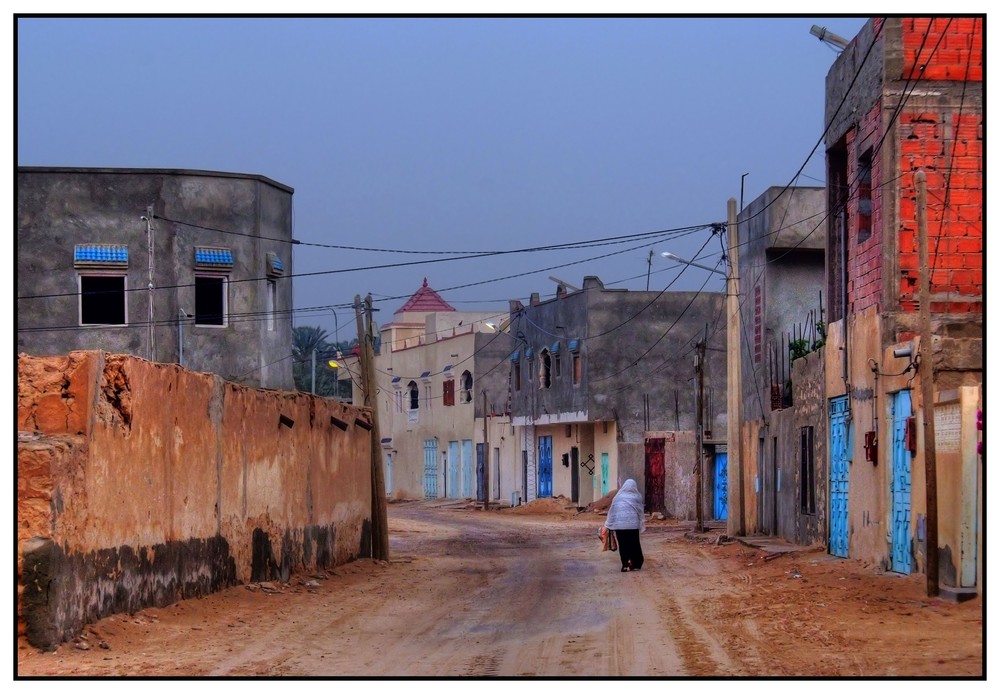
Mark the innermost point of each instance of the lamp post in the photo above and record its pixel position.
(671, 256)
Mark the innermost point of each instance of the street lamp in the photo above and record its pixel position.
(671, 256)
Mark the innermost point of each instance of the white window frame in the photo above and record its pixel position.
(106, 273)
(272, 303)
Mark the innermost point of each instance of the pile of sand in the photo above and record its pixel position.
(558, 505)
(603, 503)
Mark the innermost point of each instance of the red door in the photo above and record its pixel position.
(654, 475)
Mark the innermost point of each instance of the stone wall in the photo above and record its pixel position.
(140, 484)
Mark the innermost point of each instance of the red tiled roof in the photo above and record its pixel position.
(425, 299)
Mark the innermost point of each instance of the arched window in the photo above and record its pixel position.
(414, 395)
(544, 369)
(466, 386)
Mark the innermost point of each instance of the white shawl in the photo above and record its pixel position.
(627, 511)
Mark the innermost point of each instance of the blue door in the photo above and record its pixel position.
(901, 481)
(604, 473)
(467, 468)
(721, 505)
(430, 468)
(839, 475)
(454, 468)
(544, 466)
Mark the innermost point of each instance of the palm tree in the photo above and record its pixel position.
(306, 340)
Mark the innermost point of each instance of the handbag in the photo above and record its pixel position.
(608, 539)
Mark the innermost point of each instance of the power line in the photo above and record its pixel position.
(477, 255)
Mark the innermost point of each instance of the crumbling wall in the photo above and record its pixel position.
(140, 484)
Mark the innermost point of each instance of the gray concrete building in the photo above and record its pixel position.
(782, 276)
(604, 388)
(191, 267)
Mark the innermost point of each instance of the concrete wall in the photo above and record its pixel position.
(60, 207)
(637, 365)
(141, 484)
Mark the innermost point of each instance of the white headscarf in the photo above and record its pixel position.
(627, 511)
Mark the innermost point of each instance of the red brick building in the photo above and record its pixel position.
(906, 95)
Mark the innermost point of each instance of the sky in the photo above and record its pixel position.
(467, 134)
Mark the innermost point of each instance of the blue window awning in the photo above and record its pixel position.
(275, 268)
(554, 348)
(528, 352)
(574, 345)
(213, 257)
(515, 355)
(101, 254)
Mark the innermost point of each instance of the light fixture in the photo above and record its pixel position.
(491, 325)
(333, 364)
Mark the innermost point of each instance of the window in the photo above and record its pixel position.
(414, 395)
(449, 393)
(466, 387)
(272, 302)
(577, 370)
(807, 471)
(558, 364)
(427, 396)
(209, 300)
(102, 299)
(516, 367)
(544, 367)
(865, 196)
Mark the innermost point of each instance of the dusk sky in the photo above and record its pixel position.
(448, 134)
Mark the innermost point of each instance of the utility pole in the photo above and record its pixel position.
(149, 243)
(312, 387)
(700, 436)
(366, 339)
(486, 459)
(927, 386)
(736, 524)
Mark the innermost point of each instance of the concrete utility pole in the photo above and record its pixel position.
(736, 524)
(366, 339)
(312, 387)
(699, 437)
(149, 242)
(927, 386)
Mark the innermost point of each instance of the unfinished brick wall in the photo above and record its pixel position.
(943, 137)
(140, 484)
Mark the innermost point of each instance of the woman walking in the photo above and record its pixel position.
(627, 517)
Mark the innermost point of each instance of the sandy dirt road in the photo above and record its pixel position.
(527, 592)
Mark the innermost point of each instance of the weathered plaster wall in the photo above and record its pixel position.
(140, 484)
(810, 410)
(680, 484)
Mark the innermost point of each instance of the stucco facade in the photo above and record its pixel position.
(782, 277)
(215, 246)
(432, 369)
